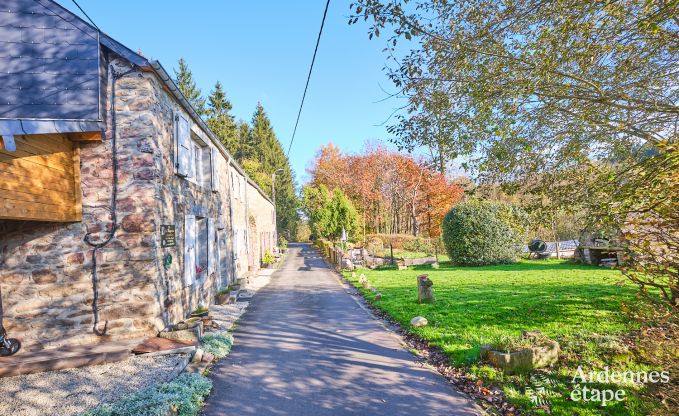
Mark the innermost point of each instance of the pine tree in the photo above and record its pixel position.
(263, 146)
(220, 121)
(186, 84)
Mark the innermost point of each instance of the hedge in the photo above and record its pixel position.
(477, 233)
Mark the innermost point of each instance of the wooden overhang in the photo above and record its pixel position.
(40, 177)
(52, 77)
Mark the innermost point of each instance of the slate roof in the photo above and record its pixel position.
(49, 63)
(56, 55)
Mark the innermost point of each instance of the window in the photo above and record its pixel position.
(194, 158)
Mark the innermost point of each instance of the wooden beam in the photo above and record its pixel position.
(87, 136)
(77, 191)
(33, 211)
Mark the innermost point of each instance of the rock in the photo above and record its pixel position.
(190, 334)
(207, 357)
(136, 223)
(197, 356)
(378, 296)
(44, 276)
(525, 360)
(76, 258)
(419, 321)
(364, 281)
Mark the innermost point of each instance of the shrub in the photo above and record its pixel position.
(396, 240)
(418, 244)
(268, 258)
(218, 345)
(477, 233)
(374, 244)
(183, 396)
(282, 243)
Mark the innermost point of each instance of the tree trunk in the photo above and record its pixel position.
(414, 204)
(425, 293)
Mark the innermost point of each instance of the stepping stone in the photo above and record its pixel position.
(157, 344)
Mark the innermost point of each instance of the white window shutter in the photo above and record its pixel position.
(214, 178)
(211, 246)
(189, 249)
(184, 148)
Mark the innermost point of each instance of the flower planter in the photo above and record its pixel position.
(189, 331)
(223, 298)
(524, 360)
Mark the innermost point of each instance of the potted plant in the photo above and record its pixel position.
(201, 311)
(223, 295)
(268, 260)
(282, 244)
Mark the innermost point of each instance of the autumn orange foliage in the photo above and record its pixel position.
(394, 192)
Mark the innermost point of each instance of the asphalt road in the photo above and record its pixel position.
(305, 347)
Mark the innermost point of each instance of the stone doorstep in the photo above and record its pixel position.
(265, 272)
(65, 357)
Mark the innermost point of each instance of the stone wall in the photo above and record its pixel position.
(45, 268)
(239, 210)
(262, 221)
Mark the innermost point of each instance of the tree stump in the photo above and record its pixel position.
(425, 292)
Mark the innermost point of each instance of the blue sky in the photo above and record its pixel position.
(261, 50)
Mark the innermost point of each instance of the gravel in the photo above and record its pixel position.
(72, 391)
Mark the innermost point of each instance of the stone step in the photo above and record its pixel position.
(66, 357)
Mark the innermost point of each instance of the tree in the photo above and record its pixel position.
(393, 192)
(329, 213)
(263, 147)
(534, 78)
(220, 120)
(316, 203)
(554, 99)
(187, 86)
(344, 217)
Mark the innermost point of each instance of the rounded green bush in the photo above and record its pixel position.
(477, 233)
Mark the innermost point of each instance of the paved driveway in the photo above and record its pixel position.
(305, 347)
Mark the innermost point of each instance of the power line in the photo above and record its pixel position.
(318, 40)
(86, 15)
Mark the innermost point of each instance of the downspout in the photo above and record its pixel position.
(114, 197)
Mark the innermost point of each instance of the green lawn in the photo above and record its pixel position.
(578, 305)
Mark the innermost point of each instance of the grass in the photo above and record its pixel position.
(578, 305)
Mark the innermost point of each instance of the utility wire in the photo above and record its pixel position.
(86, 15)
(318, 40)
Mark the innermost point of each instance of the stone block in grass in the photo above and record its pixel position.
(544, 353)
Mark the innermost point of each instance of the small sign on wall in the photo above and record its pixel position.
(168, 236)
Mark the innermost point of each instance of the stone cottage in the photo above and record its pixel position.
(120, 211)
